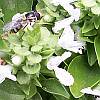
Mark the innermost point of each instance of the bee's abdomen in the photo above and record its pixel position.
(16, 27)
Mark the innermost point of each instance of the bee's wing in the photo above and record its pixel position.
(8, 27)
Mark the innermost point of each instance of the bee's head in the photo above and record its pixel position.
(37, 15)
(33, 15)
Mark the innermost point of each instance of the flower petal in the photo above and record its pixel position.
(65, 55)
(5, 72)
(12, 77)
(2, 78)
(88, 90)
(64, 76)
(62, 24)
(54, 62)
(16, 59)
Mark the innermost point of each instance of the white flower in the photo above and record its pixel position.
(56, 60)
(67, 41)
(62, 24)
(57, 2)
(63, 76)
(16, 59)
(88, 90)
(98, 98)
(5, 72)
(74, 12)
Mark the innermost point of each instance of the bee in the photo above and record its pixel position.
(20, 21)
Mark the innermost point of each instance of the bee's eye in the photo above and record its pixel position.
(37, 15)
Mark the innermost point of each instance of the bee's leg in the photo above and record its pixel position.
(2, 62)
(4, 36)
(25, 25)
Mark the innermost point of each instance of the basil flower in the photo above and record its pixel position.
(5, 72)
(62, 75)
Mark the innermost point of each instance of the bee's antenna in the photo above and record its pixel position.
(35, 2)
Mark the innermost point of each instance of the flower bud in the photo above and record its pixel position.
(48, 18)
(17, 60)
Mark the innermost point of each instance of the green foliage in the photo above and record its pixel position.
(23, 78)
(91, 54)
(11, 7)
(97, 48)
(38, 44)
(59, 90)
(10, 90)
(31, 69)
(84, 75)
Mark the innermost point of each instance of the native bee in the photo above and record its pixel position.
(20, 21)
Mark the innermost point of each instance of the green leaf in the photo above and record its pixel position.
(36, 82)
(90, 33)
(25, 44)
(23, 78)
(34, 58)
(54, 87)
(54, 14)
(87, 39)
(32, 36)
(45, 71)
(88, 3)
(45, 33)
(84, 75)
(10, 90)
(58, 97)
(32, 91)
(1, 26)
(36, 48)
(87, 97)
(97, 48)
(96, 9)
(4, 46)
(88, 26)
(31, 69)
(37, 96)
(91, 54)
(41, 7)
(96, 21)
(13, 39)
(29, 89)
(47, 53)
(48, 3)
(11, 7)
(48, 18)
(25, 88)
(98, 1)
(1, 14)
(52, 41)
(23, 51)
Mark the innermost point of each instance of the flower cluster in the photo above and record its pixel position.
(64, 76)
(67, 39)
(5, 72)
